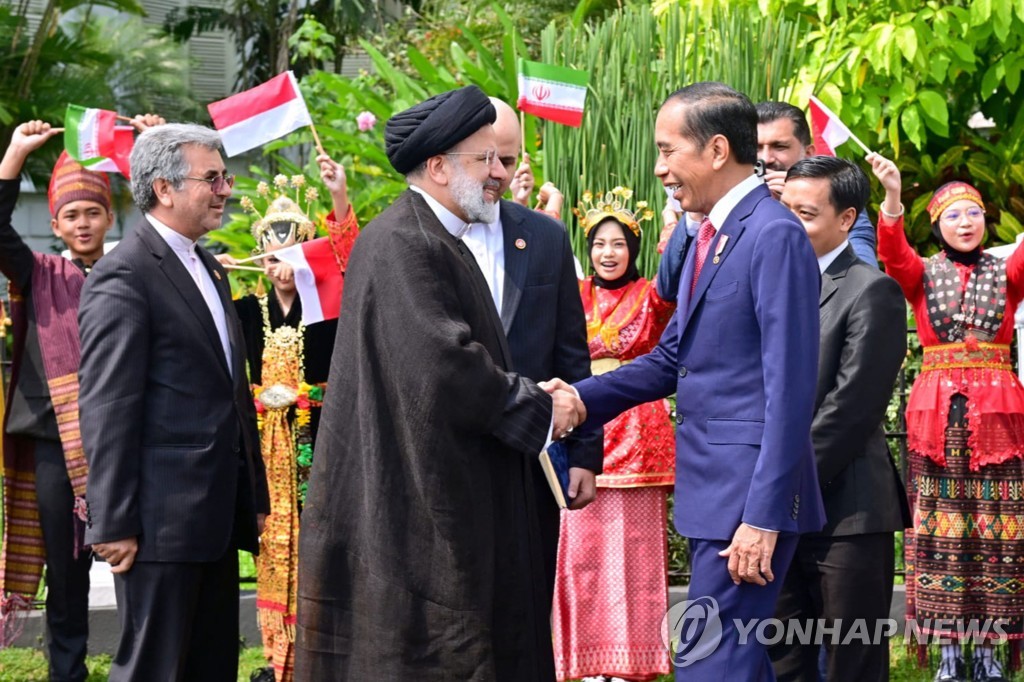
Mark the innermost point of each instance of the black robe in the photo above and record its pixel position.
(419, 552)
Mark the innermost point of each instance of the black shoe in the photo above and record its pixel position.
(952, 672)
(992, 673)
(262, 675)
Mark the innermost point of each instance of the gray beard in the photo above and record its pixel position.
(468, 194)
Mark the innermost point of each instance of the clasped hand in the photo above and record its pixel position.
(567, 409)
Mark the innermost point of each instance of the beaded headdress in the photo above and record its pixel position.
(949, 194)
(611, 205)
(283, 221)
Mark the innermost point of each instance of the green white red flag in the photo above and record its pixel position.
(554, 93)
(92, 138)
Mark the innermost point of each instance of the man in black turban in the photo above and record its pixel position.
(419, 552)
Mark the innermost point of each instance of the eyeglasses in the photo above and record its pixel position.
(217, 182)
(953, 217)
(487, 158)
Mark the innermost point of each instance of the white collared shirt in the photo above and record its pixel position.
(486, 242)
(829, 258)
(732, 198)
(185, 249)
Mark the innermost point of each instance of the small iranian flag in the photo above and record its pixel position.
(92, 138)
(555, 93)
(318, 278)
(260, 115)
(829, 131)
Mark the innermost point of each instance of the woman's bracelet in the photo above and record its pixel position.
(891, 216)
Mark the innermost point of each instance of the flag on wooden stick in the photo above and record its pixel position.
(260, 115)
(554, 93)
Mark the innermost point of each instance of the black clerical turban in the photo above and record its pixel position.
(435, 126)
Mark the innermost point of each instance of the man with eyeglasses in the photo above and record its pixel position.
(420, 553)
(177, 485)
(45, 469)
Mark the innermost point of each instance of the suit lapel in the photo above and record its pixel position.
(834, 273)
(517, 262)
(721, 246)
(186, 287)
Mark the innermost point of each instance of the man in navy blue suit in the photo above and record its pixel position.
(741, 352)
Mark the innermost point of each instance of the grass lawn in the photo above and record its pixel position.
(29, 665)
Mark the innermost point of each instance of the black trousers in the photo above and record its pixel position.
(837, 578)
(179, 622)
(67, 578)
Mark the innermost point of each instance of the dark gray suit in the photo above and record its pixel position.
(846, 571)
(542, 314)
(170, 435)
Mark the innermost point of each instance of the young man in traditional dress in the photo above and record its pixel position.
(44, 467)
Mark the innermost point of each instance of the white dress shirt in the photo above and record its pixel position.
(828, 258)
(185, 249)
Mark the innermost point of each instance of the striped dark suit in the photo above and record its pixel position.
(171, 440)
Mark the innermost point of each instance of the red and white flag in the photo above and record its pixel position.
(829, 131)
(318, 278)
(259, 115)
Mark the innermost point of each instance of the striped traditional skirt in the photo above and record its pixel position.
(611, 589)
(965, 558)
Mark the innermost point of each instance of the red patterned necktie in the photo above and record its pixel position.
(704, 237)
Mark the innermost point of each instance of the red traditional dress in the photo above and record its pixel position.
(965, 433)
(611, 590)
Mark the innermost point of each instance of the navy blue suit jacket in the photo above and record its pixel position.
(542, 312)
(742, 356)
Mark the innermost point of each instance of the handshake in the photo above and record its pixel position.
(567, 410)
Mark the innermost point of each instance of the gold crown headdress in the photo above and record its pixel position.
(283, 218)
(611, 205)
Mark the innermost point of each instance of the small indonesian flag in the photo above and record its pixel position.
(92, 139)
(555, 93)
(829, 131)
(259, 115)
(318, 278)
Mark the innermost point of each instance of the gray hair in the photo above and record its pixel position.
(158, 153)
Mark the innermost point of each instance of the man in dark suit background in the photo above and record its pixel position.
(845, 572)
(741, 353)
(542, 315)
(168, 425)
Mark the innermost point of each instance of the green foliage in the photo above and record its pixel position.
(113, 63)
(907, 76)
(636, 59)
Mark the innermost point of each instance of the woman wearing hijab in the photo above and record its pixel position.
(965, 427)
(611, 590)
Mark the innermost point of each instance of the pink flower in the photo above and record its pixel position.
(365, 121)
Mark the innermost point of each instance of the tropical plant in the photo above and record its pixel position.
(908, 77)
(86, 59)
(636, 59)
(263, 32)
